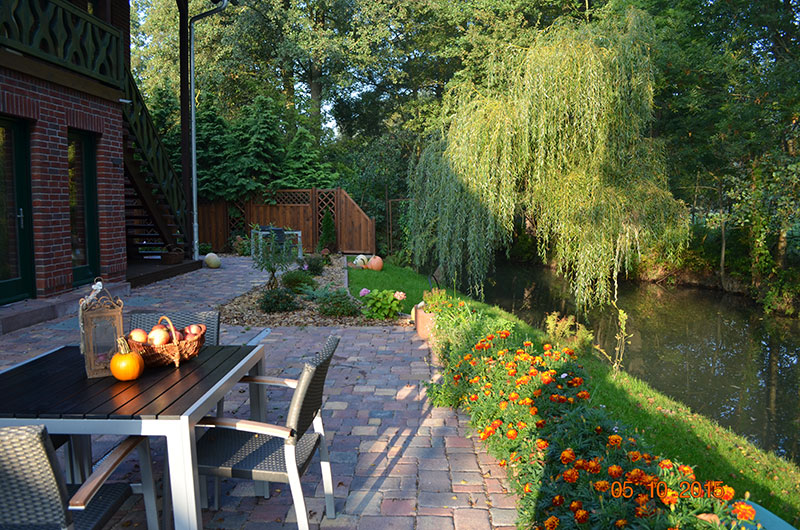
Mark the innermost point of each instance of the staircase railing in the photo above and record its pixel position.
(59, 32)
(154, 154)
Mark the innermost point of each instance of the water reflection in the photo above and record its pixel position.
(714, 351)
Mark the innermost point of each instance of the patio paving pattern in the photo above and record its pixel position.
(397, 461)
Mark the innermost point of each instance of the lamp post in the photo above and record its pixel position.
(195, 241)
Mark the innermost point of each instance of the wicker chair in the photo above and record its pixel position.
(33, 493)
(181, 319)
(274, 453)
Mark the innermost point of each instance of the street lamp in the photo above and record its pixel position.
(222, 6)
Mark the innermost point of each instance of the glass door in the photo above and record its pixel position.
(16, 248)
(83, 208)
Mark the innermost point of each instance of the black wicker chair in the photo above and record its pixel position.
(180, 319)
(274, 453)
(33, 492)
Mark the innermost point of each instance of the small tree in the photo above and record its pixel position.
(327, 237)
(272, 256)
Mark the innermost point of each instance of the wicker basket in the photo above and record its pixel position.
(172, 352)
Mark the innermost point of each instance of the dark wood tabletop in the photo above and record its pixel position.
(55, 386)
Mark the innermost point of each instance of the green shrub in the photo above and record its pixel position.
(383, 304)
(277, 301)
(338, 303)
(294, 280)
(314, 264)
(204, 248)
(327, 236)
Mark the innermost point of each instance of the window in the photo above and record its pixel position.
(83, 207)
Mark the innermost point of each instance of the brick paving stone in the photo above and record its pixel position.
(471, 519)
(443, 500)
(503, 516)
(503, 501)
(437, 481)
(398, 507)
(364, 503)
(429, 522)
(466, 478)
(385, 523)
(342, 522)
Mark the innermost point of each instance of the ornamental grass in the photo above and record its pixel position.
(572, 465)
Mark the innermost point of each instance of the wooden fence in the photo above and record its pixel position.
(296, 209)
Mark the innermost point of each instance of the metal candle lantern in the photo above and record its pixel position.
(100, 318)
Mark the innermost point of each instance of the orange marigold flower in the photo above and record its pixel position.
(743, 511)
(581, 516)
(546, 379)
(513, 396)
(502, 463)
(528, 487)
(534, 411)
(634, 456)
(511, 434)
(473, 362)
(483, 435)
(527, 343)
(641, 499)
(512, 372)
(497, 423)
(473, 397)
(558, 500)
(503, 334)
(551, 523)
(490, 336)
(575, 381)
(621, 523)
(592, 466)
(537, 392)
(602, 486)
(685, 470)
(542, 444)
(574, 506)
(641, 511)
(724, 493)
(636, 476)
(583, 394)
(615, 471)
(571, 475)
(502, 405)
(525, 401)
(547, 347)
(580, 464)
(521, 425)
(567, 456)
(665, 464)
(456, 378)
(461, 303)
(598, 429)
(670, 497)
(615, 440)
(533, 372)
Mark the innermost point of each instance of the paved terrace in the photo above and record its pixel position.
(398, 462)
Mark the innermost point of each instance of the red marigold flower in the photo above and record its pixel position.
(542, 444)
(504, 334)
(521, 425)
(574, 506)
(511, 434)
(490, 336)
(537, 392)
(598, 429)
(583, 394)
(615, 471)
(724, 493)
(602, 486)
(641, 512)
(670, 497)
(551, 523)
(533, 372)
(502, 463)
(533, 412)
(558, 500)
(512, 372)
(547, 347)
(497, 423)
(473, 362)
(686, 470)
(502, 405)
(527, 343)
(473, 397)
(581, 516)
(567, 456)
(456, 378)
(580, 464)
(634, 456)
(528, 487)
(525, 401)
(621, 523)
(571, 475)
(641, 499)
(571, 401)
(513, 396)
(665, 464)
(635, 475)
(743, 511)
(483, 435)
(615, 440)
(546, 379)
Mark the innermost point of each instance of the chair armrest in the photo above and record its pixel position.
(268, 380)
(255, 427)
(92, 484)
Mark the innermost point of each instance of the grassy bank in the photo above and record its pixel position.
(666, 425)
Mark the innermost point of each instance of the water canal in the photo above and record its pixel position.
(716, 352)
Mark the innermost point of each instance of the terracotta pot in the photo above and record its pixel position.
(423, 321)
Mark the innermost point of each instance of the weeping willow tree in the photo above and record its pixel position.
(558, 132)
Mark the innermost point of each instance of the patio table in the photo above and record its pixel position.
(52, 389)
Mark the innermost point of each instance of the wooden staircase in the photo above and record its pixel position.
(156, 212)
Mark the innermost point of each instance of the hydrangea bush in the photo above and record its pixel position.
(571, 464)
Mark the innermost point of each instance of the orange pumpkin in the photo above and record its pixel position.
(375, 263)
(125, 364)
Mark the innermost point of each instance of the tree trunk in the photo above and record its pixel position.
(185, 105)
(315, 89)
(722, 255)
(287, 77)
(780, 249)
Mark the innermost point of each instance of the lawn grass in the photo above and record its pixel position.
(669, 427)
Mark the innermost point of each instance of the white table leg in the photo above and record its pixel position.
(258, 412)
(148, 484)
(184, 481)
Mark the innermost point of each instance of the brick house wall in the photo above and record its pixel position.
(50, 111)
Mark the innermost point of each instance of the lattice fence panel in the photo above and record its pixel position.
(301, 197)
(326, 200)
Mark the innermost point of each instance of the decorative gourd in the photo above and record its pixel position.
(360, 261)
(125, 364)
(375, 263)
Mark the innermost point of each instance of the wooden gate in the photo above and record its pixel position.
(299, 210)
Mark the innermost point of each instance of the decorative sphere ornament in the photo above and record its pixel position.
(212, 261)
(361, 260)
